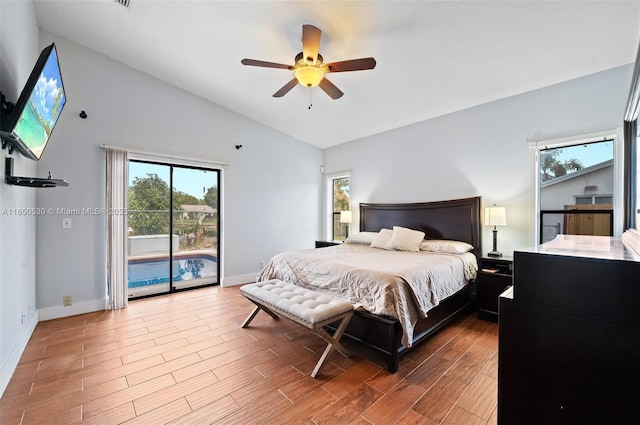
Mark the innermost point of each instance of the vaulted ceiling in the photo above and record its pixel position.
(433, 57)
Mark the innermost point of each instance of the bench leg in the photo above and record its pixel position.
(255, 311)
(332, 342)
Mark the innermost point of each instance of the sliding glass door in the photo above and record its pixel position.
(173, 228)
(195, 223)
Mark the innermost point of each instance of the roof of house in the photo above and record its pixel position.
(578, 173)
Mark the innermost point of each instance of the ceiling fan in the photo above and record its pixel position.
(309, 68)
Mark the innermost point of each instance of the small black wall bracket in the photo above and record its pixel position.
(7, 107)
(10, 179)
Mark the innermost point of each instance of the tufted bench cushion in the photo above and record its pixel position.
(311, 309)
(305, 306)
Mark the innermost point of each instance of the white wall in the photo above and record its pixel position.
(481, 151)
(271, 189)
(18, 314)
(556, 196)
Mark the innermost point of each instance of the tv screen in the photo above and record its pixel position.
(39, 106)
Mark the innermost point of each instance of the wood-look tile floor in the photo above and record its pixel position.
(183, 359)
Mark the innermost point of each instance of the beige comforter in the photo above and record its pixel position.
(400, 284)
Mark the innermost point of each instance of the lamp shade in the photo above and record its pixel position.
(345, 217)
(495, 216)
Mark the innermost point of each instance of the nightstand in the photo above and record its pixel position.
(494, 276)
(324, 244)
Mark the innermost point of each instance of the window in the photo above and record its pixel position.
(584, 200)
(589, 200)
(338, 199)
(578, 186)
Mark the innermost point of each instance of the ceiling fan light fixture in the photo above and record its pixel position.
(309, 68)
(309, 76)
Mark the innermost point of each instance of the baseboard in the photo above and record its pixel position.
(239, 280)
(76, 308)
(11, 363)
(99, 305)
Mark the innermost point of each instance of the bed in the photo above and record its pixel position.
(397, 302)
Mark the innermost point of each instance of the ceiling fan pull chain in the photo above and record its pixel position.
(310, 103)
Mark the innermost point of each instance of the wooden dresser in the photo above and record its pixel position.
(569, 343)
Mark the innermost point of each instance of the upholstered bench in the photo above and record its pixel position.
(311, 309)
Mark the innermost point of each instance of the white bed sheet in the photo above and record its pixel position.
(403, 285)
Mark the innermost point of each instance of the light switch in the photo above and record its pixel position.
(66, 223)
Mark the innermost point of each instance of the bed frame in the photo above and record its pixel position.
(457, 219)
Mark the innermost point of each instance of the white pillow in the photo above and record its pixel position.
(403, 239)
(450, 247)
(362, 237)
(382, 240)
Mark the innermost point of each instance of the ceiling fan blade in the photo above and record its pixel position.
(310, 42)
(254, 62)
(286, 88)
(350, 65)
(330, 89)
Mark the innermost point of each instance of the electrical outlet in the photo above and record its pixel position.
(66, 300)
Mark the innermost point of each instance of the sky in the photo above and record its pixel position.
(590, 154)
(185, 180)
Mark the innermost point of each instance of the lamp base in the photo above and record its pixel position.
(495, 252)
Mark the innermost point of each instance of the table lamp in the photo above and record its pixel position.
(495, 216)
(346, 217)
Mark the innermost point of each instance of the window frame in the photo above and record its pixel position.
(632, 154)
(190, 164)
(618, 173)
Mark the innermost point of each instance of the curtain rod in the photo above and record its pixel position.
(160, 156)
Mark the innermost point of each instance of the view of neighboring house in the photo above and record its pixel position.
(589, 188)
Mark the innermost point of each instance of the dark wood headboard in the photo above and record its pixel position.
(457, 219)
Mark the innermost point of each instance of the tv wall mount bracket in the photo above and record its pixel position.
(6, 108)
(29, 181)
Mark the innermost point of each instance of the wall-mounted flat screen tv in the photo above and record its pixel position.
(36, 112)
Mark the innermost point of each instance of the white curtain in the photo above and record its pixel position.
(116, 203)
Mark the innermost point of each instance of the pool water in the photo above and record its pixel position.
(155, 271)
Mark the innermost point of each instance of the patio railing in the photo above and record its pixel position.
(596, 222)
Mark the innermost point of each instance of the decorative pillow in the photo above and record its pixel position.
(382, 240)
(403, 239)
(362, 237)
(450, 247)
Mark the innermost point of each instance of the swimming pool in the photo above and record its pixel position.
(155, 271)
